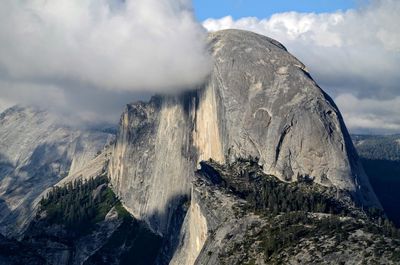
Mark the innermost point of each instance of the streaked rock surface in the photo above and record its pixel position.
(259, 101)
(36, 152)
(151, 166)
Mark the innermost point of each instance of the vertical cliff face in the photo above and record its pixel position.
(207, 134)
(193, 234)
(152, 161)
(258, 101)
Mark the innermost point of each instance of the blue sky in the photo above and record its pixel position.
(353, 56)
(265, 8)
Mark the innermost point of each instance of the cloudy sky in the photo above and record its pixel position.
(352, 49)
(92, 56)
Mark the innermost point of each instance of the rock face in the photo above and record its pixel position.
(193, 234)
(259, 101)
(103, 233)
(56, 246)
(151, 166)
(36, 152)
(224, 228)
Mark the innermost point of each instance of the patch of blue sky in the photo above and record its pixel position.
(265, 8)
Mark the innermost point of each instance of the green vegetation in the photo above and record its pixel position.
(288, 230)
(297, 212)
(378, 147)
(276, 196)
(380, 156)
(132, 243)
(267, 194)
(396, 256)
(79, 205)
(384, 176)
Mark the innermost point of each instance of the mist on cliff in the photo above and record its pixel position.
(87, 58)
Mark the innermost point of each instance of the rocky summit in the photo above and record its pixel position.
(255, 166)
(259, 101)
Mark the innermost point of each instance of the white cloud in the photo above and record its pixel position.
(121, 46)
(354, 51)
(370, 114)
(136, 45)
(76, 105)
(5, 104)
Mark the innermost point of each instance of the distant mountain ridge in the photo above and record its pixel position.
(36, 152)
(258, 102)
(385, 147)
(256, 166)
(380, 155)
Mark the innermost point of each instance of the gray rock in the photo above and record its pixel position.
(270, 107)
(36, 152)
(259, 101)
(57, 245)
(211, 217)
(221, 228)
(151, 165)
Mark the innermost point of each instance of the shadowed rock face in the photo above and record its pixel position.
(151, 166)
(36, 152)
(259, 100)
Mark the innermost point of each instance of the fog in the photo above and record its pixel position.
(87, 58)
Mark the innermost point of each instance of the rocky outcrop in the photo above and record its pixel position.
(84, 223)
(152, 164)
(258, 101)
(36, 152)
(56, 246)
(210, 210)
(193, 234)
(90, 169)
(233, 230)
(13, 252)
(270, 107)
